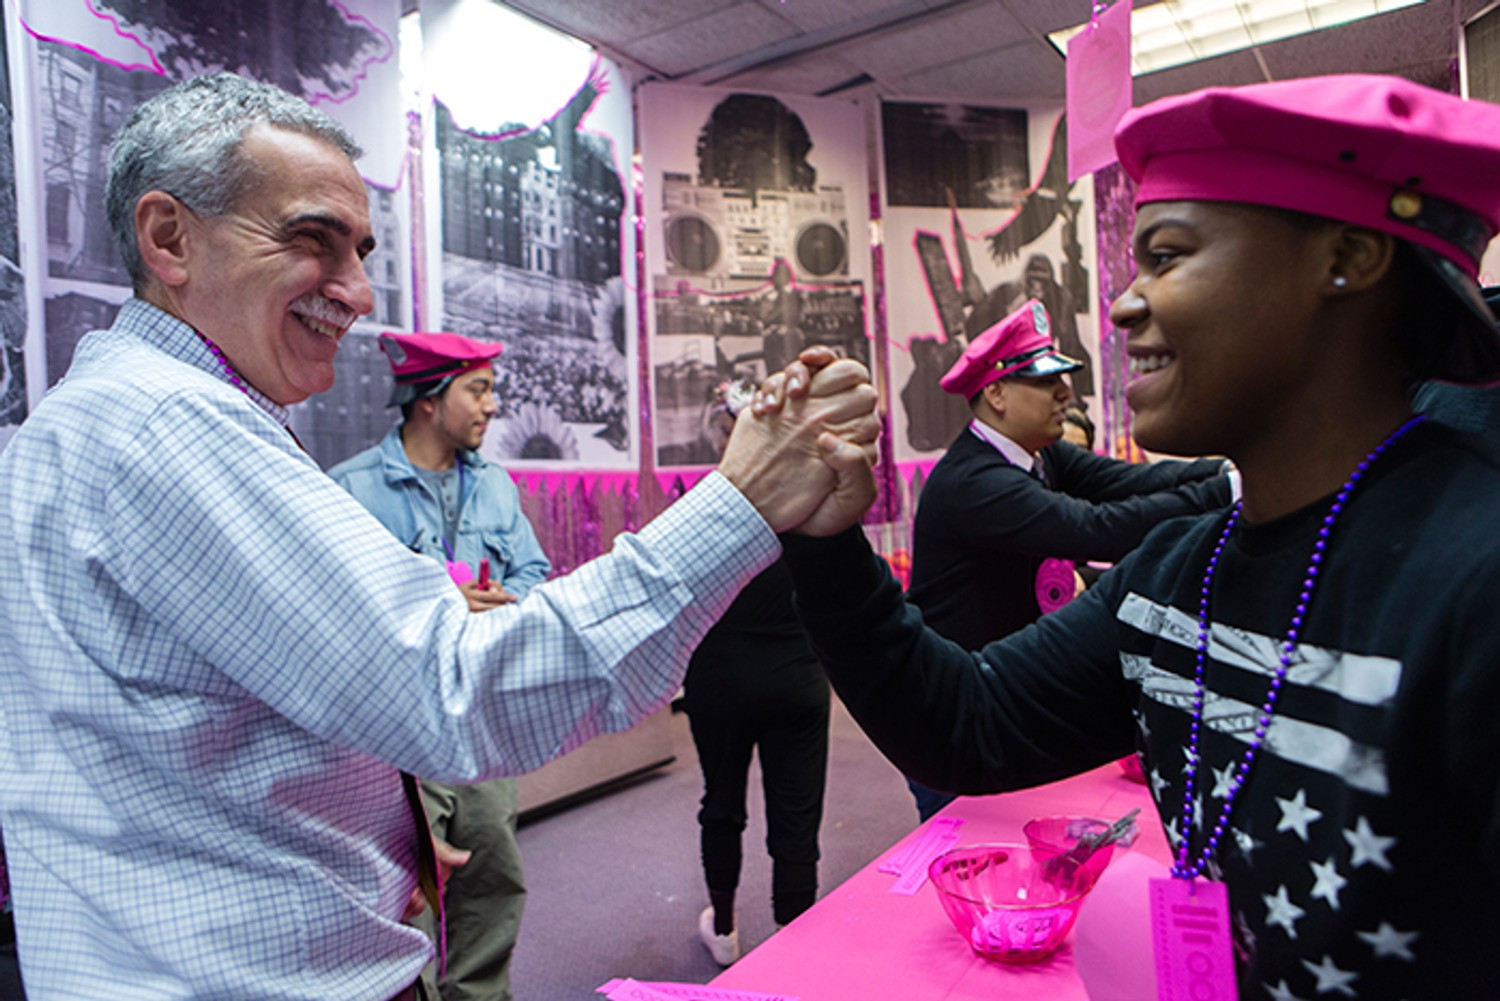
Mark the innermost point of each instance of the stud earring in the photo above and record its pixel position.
(1339, 281)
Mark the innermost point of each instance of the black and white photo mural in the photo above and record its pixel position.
(531, 228)
(14, 404)
(92, 61)
(759, 203)
(528, 237)
(979, 216)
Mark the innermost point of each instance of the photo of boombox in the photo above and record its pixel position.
(739, 233)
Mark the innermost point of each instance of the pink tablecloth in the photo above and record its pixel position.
(862, 941)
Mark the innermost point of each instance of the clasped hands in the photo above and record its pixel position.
(804, 452)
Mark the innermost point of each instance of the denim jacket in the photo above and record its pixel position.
(490, 521)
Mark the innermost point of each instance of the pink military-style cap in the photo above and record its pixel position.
(1376, 151)
(424, 364)
(1018, 345)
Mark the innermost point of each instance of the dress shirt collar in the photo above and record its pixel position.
(167, 333)
(1014, 453)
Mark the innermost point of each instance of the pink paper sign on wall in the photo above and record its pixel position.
(1099, 89)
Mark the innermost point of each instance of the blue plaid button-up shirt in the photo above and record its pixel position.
(213, 661)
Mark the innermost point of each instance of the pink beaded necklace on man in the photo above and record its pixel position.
(229, 372)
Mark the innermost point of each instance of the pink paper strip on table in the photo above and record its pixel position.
(938, 830)
(910, 881)
(633, 990)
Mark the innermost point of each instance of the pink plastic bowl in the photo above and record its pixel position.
(1006, 901)
(1060, 834)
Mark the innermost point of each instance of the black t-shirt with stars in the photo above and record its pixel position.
(1363, 852)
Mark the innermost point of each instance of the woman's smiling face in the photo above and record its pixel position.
(1220, 322)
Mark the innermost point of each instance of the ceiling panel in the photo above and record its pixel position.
(1405, 42)
(818, 15)
(1015, 73)
(712, 39)
(1231, 69)
(1043, 16)
(935, 41)
(614, 25)
(804, 76)
(982, 50)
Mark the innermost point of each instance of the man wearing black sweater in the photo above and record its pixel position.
(1010, 507)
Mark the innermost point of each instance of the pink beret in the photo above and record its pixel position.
(1020, 345)
(420, 358)
(1375, 151)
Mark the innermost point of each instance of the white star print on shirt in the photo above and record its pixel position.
(1140, 721)
(1331, 979)
(1388, 942)
(1281, 992)
(1245, 841)
(1296, 814)
(1157, 784)
(1281, 911)
(1327, 882)
(1368, 846)
(1224, 779)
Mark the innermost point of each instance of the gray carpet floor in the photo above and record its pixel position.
(615, 883)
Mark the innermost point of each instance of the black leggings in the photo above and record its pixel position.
(783, 710)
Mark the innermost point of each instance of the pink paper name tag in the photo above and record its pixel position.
(460, 571)
(919, 846)
(909, 882)
(633, 990)
(1190, 936)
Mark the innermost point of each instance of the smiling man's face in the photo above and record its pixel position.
(277, 281)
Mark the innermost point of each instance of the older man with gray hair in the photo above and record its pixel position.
(215, 665)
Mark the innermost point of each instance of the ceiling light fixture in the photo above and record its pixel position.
(1174, 32)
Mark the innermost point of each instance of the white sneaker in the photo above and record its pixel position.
(724, 948)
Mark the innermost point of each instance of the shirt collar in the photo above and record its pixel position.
(1013, 453)
(167, 333)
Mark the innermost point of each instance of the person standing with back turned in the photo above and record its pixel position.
(753, 687)
(429, 486)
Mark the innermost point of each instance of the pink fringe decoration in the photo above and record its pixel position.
(577, 514)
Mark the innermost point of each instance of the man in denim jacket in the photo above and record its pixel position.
(427, 484)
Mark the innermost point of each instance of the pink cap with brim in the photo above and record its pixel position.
(1375, 151)
(1018, 345)
(424, 358)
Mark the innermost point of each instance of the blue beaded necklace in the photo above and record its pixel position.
(1183, 869)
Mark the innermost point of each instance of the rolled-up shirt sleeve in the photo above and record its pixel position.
(283, 583)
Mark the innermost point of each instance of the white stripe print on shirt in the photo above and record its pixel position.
(1356, 678)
